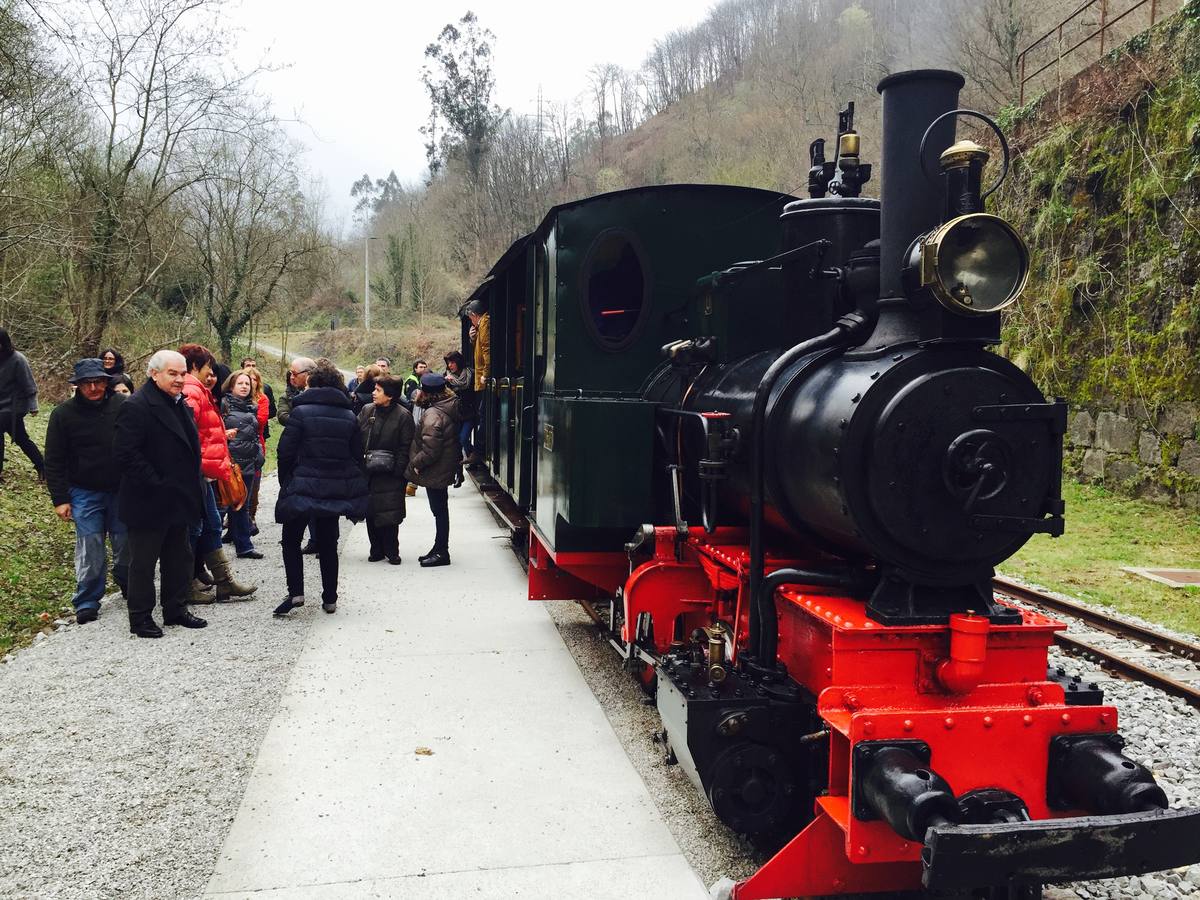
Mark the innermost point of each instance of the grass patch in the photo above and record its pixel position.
(1105, 532)
(37, 568)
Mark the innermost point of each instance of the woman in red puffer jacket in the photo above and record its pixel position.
(215, 463)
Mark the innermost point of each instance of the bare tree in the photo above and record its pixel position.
(37, 120)
(987, 43)
(248, 230)
(155, 80)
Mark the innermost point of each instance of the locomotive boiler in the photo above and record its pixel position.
(770, 434)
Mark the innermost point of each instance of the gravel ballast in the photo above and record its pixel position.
(123, 760)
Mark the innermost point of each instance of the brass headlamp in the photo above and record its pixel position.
(974, 263)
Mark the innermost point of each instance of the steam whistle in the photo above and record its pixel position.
(849, 174)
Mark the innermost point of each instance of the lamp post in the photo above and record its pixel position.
(367, 281)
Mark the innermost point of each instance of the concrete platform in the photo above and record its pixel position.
(526, 791)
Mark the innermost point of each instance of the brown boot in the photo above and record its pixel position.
(227, 588)
(202, 593)
(203, 577)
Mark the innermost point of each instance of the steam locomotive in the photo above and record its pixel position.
(769, 434)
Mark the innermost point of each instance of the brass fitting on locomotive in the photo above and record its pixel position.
(974, 263)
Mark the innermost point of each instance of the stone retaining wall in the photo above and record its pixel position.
(1132, 451)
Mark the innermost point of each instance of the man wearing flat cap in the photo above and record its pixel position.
(83, 476)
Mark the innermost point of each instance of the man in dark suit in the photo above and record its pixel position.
(157, 449)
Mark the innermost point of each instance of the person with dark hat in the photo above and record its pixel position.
(434, 459)
(83, 477)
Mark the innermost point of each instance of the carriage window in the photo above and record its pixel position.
(614, 289)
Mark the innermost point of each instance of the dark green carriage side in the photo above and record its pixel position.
(581, 309)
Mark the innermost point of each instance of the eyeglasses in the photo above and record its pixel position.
(93, 382)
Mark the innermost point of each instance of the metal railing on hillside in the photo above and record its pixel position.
(1069, 28)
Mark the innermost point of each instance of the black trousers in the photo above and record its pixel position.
(15, 426)
(385, 539)
(172, 548)
(439, 505)
(324, 531)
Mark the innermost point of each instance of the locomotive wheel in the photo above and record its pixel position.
(752, 789)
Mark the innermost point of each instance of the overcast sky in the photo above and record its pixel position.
(353, 67)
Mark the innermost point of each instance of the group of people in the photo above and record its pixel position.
(159, 471)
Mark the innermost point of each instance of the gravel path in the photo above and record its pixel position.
(123, 760)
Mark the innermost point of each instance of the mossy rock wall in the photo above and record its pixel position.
(1105, 185)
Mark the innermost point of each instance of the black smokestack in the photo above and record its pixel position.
(911, 203)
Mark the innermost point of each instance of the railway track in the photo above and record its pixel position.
(1161, 660)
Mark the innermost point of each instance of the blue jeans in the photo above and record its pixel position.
(95, 515)
(206, 534)
(464, 437)
(239, 520)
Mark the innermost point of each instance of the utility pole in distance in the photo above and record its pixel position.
(367, 281)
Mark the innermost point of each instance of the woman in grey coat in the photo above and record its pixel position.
(435, 459)
(18, 398)
(387, 428)
(239, 410)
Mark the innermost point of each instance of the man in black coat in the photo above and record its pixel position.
(83, 477)
(157, 448)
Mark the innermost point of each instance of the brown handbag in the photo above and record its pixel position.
(231, 491)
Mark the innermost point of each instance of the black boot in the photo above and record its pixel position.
(437, 558)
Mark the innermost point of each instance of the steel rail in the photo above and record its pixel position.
(1119, 627)
(1165, 643)
(1130, 669)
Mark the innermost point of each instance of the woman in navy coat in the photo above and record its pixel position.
(321, 478)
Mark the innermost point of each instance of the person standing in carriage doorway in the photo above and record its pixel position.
(481, 323)
(387, 435)
(435, 458)
(83, 477)
(461, 379)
